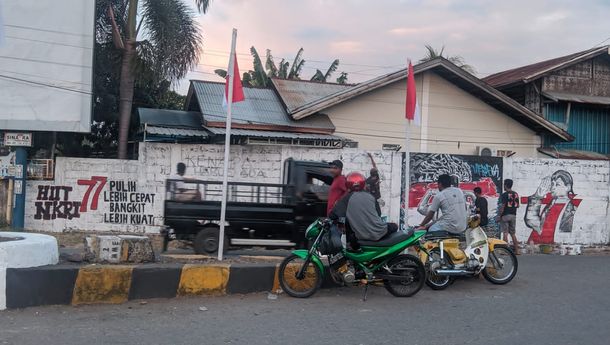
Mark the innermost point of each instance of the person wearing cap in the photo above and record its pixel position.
(338, 188)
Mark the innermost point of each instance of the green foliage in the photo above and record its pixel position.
(151, 89)
(260, 76)
(432, 53)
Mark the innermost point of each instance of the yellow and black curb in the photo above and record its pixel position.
(65, 284)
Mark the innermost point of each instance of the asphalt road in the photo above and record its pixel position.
(553, 300)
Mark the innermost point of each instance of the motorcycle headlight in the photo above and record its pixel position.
(313, 230)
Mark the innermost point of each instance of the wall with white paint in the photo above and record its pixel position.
(565, 215)
(127, 196)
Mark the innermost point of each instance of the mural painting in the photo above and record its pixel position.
(467, 172)
(552, 208)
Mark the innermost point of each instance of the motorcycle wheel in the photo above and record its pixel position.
(295, 287)
(505, 274)
(434, 281)
(414, 279)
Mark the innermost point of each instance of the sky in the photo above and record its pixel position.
(372, 38)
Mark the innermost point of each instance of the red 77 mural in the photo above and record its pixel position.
(100, 181)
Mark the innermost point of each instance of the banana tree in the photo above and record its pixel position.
(323, 77)
(262, 73)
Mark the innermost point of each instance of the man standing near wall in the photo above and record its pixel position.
(338, 188)
(480, 205)
(509, 203)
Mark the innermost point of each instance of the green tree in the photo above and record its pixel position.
(432, 53)
(149, 91)
(165, 42)
(261, 74)
(323, 77)
(342, 78)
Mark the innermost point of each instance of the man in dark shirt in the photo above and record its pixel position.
(338, 188)
(509, 203)
(480, 205)
(373, 184)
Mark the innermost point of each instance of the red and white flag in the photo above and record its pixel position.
(412, 110)
(238, 90)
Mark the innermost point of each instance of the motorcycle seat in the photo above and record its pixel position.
(434, 235)
(388, 240)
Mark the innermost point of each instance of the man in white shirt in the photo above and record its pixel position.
(452, 204)
(180, 190)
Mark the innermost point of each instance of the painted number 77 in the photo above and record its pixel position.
(100, 182)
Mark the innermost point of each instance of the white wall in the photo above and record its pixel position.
(146, 179)
(449, 115)
(590, 185)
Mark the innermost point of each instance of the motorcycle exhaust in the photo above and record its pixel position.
(453, 272)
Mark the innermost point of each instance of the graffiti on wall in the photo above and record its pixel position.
(551, 208)
(248, 164)
(54, 202)
(127, 205)
(467, 172)
(121, 201)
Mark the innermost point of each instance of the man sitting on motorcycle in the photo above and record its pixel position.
(362, 212)
(452, 204)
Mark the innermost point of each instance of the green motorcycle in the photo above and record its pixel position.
(377, 262)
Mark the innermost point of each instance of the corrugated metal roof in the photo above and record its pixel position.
(572, 154)
(297, 93)
(261, 107)
(527, 73)
(272, 134)
(557, 96)
(170, 118)
(176, 132)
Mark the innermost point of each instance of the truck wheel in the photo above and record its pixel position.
(206, 241)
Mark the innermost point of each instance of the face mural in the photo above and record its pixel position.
(552, 208)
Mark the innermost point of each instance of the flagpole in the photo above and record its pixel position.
(410, 113)
(407, 171)
(225, 174)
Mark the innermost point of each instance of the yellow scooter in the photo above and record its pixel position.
(445, 256)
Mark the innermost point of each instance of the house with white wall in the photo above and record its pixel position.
(460, 114)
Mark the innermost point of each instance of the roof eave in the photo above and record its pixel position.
(439, 62)
(591, 54)
(359, 89)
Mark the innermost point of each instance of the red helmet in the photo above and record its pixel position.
(355, 182)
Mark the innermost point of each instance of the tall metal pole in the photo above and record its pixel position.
(407, 171)
(225, 175)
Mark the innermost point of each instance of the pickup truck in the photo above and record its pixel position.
(257, 214)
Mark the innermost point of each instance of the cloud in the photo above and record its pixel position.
(490, 35)
(405, 31)
(346, 47)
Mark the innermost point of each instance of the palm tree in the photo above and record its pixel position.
(169, 45)
(432, 53)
